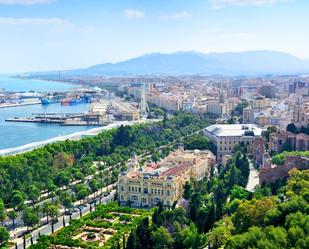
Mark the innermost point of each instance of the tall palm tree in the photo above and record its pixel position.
(218, 236)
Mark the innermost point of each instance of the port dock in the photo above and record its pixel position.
(64, 119)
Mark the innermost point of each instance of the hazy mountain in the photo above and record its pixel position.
(236, 63)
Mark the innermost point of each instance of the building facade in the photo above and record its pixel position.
(288, 141)
(226, 136)
(163, 181)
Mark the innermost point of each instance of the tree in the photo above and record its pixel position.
(132, 241)
(12, 215)
(161, 239)
(65, 200)
(82, 193)
(94, 185)
(4, 236)
(123, 136)
(33, 193)
(187, 191)
(17, 200)
(291, 128)
(191, 238)
(238, 192)
(239, 108)
(53, 211)
(218, 236)
(30, 218)
(143, 234)
(269, 131)
(2, 211)
(251, 213)
(45, 210)
(199, 142)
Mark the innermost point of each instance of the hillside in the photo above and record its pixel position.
(236, 63)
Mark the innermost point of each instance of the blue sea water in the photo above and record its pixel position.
(16, 134)
(18, 85)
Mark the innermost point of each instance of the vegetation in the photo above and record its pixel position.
(279, 158)
(26, 176)
(199, 142)
(303, 129)
(108, 222)
(279, 221)
(4, 237)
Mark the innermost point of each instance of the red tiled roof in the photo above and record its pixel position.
(175, 170)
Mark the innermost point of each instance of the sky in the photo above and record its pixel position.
(38, 35)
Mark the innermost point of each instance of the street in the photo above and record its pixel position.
(62, 219)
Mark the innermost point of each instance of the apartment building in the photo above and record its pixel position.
(301, 114)
(260, 102)
(163, 181)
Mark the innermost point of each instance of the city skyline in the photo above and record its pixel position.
(56, 34)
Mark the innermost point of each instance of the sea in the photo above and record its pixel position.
(16, 134)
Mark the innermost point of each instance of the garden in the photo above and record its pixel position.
(106, 227)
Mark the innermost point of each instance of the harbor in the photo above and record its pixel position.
(42, 112)
(100, 113)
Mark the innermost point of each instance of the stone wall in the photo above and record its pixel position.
(271, 175)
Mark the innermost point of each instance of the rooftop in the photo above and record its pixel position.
(234, 130)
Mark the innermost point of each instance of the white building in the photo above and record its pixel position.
(226, 136)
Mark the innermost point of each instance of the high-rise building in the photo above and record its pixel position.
(268, 90)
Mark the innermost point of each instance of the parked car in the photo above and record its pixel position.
(54, 221)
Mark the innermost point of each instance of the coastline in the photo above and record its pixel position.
(73, 136)
(19, 104)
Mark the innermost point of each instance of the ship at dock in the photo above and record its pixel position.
(47, 101)
(77, 100)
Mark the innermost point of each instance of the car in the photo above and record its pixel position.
(106, 194)
(68, 212)
(7, 224)
(80, 207)
(54, 221)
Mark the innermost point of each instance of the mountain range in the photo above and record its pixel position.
(191, 62)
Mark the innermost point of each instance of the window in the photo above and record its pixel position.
(129, 188)
(121, 188)
(145, 190)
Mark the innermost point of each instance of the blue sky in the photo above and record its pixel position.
(62, 34)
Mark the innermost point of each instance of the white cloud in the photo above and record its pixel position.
(177, 15)
(134, 13)
(24, 2)
(223, 3)
(12, 21)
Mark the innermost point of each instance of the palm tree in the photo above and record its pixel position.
(218, 236)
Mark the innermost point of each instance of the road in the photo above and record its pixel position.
(62, 220)
(19, 221)
(253, 177)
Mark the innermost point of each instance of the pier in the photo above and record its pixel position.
(65, 119)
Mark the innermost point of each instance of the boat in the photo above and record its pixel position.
(47, 101)
(81, 100)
